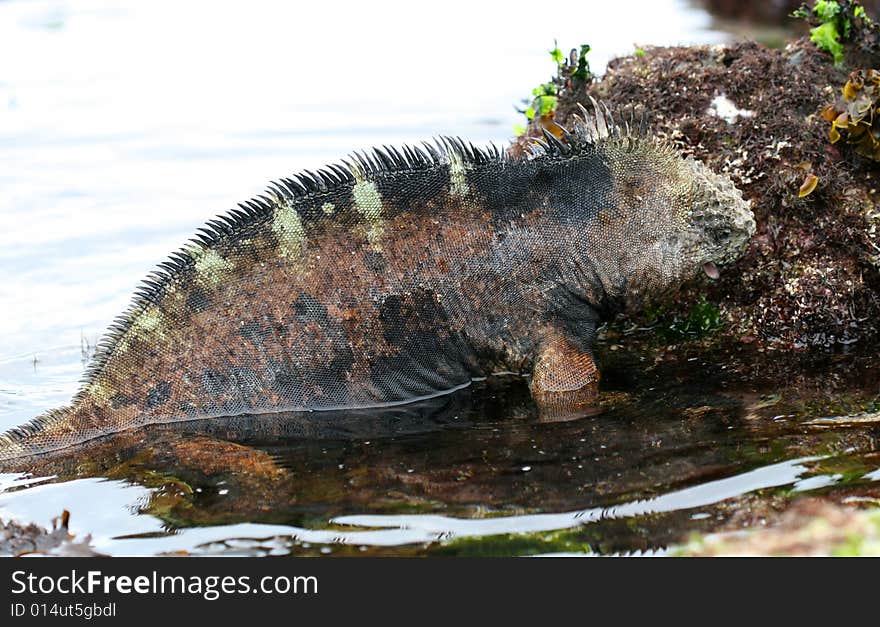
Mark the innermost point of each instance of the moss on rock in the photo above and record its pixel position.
(811, 527)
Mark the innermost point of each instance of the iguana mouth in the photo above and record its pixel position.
(711, 270)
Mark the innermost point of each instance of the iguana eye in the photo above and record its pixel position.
(722, 236)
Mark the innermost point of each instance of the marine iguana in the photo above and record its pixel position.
(405, 273)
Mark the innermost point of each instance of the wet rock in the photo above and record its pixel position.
(31, 539)
(811, 527)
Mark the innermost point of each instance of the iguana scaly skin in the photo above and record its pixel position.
(403, 274)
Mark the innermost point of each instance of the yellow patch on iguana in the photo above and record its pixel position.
(458, 185)
(147, 325)
(288, 228)
(211, 267)
(98, 393)
(368, 202)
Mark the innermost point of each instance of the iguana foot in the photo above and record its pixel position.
(565, 381)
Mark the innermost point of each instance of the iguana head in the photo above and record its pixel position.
(720, 221)
(659, 218)
(665, 217)
(683, 219)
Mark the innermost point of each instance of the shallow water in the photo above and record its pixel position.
(124, 126)
(683, 445)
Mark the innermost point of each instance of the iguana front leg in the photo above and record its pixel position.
(565, 379)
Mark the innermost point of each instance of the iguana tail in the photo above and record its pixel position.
(52, 431)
